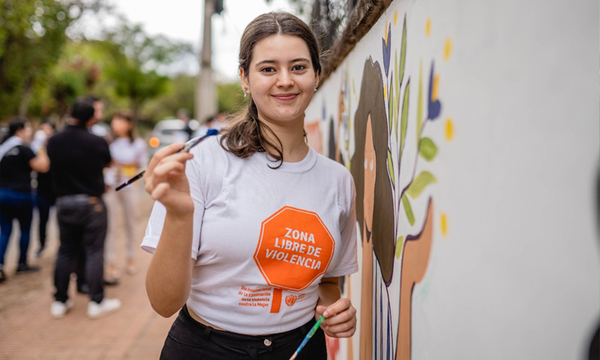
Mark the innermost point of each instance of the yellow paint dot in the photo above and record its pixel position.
(449, 130)
(385, 30)
(385, 91)
(444, 224)
(395, 17)
(436, 82)
(428, 27)
(447, 49)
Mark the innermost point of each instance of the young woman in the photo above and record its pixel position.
(129, 156)
(17, 161)
(251, 235)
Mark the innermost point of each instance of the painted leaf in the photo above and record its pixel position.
(419, 184)
(390, 106)
(404, 118)
(420, 102)
(408, 210)
(397, 78)
(427, 149)
(399, 246)
(391, 167)
(397, 95)
(403, 50)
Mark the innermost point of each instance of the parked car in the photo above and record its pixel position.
(167, 132)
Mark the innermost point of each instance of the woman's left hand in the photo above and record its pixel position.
(340, 318)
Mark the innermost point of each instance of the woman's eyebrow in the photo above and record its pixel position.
(268, 61)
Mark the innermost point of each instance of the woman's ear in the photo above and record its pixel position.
(244, 82)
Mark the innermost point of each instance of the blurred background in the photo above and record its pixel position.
(145, 56)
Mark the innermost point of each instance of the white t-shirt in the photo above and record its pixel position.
(128, 159)
(263, 238)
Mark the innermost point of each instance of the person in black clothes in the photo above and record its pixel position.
(17, 161)
(45, 198)
(77, 159)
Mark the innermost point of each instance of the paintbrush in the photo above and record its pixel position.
(186, 148)
(308, 336)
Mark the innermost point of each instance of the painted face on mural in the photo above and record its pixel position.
(281, 79)
(369, 179)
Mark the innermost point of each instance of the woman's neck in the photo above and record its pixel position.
(292, 140)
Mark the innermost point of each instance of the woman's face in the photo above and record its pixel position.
(370, 175)
(120, 126)
(281, 79)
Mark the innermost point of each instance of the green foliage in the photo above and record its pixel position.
(32, 38)
(230, 97)
(136, 59)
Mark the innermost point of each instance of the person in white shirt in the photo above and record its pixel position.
(129, 157)
(251, 231)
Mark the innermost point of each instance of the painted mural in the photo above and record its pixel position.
(448, 118)
(368, 132)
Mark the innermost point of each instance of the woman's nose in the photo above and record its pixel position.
(284, 79)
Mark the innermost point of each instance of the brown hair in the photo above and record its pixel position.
(127, 115)
(246, 134)
(372, 102)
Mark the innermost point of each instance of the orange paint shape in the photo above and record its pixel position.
(294, 249)
(276, 303)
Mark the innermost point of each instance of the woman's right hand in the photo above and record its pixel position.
(165, 179)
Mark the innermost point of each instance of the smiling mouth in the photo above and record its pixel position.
(285, 96)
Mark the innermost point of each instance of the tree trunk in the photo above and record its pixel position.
(28, 89)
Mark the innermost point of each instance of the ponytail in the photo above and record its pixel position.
(246, 136)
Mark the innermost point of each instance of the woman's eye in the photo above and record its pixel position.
(267, 70)
(298, 67)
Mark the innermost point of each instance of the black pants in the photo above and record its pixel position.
(44, 203)
(188, 339)
(82, 224)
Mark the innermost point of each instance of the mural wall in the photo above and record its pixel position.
(471, 130)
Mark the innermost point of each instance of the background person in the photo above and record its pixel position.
(77, 160)
(129, 157)
(44, 199)
(17, 161)
(206, 228)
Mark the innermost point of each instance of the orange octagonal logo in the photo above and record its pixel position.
(294, 248)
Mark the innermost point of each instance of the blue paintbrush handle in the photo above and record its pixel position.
(312, 331)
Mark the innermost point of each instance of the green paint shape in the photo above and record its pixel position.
(408, 210)
(420, 102)
(390, 167)
(404, 118)
(399, 246)
(419, 184)
(427, 149)
(403, 50)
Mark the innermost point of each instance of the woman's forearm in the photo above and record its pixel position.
(329, 291)
(168, 280)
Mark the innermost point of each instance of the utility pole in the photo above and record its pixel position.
(206, 92)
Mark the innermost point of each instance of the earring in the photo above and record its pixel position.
(315, 89)
(315, 86)
(245, 92)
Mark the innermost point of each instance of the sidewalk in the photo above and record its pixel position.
(27, 331)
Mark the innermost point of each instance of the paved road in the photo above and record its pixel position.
(27, 331)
